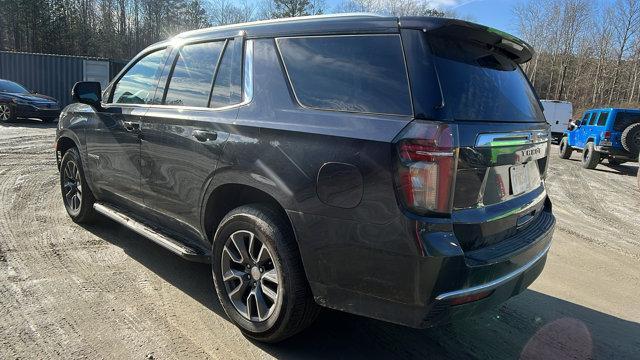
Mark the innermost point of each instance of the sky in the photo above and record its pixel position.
(495, 13)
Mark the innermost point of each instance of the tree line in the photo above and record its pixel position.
(119, 29)
(587, 52)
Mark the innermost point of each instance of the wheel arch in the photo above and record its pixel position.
(225, 197)
(228, 196)
(63, 143)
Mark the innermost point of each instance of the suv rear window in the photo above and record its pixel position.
(482, 85)
(362, 73)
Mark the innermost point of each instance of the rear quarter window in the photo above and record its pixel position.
(602, 119)
(360, 73)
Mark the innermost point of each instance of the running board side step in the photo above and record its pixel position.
(166, 242)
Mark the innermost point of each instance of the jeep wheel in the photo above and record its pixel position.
(631, 138)
(590, 157)
(564, 149)
(77, 197)
(258, 274)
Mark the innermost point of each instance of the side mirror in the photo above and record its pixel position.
(87, 92)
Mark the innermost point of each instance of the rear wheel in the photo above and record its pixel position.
(258, 274)
(6, 113)
(565, 150)
(78, 198)
(590, 157)
(630, 138)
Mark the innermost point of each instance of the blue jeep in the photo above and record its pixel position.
(612, 134)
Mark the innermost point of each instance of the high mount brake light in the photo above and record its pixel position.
(426, 155)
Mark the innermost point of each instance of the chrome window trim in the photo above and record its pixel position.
(295, 95)
(247, 88)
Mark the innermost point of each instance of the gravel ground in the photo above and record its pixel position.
(100, 291)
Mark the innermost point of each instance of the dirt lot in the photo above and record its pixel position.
(101, 291)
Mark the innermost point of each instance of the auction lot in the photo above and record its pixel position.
(101, 291)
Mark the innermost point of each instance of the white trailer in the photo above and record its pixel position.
(558, 114)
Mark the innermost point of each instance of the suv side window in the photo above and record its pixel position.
(227, 87)
(602, 119)
(356, 73)
(592, 119)
(138, 84)
(192, 77)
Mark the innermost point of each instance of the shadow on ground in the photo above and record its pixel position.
(530, 326)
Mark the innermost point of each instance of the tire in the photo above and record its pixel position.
(6, 113)
(631, 138)
(564, 150)
(293, 308)
(76, 195)
(590, 157)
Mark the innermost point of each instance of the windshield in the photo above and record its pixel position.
(11, 87)
(482, 85)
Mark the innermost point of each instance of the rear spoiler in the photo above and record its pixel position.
(516, 49)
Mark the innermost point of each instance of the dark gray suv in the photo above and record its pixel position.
(388, 167)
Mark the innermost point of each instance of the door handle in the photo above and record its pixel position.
(204, 135)
(131, 126)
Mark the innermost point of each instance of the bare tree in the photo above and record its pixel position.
(627, 14)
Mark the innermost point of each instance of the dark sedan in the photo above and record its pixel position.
(18, 102)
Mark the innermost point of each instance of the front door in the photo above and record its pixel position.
(184, 137)
(581, 132)
(113, 136)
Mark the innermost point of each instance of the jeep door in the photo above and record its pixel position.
(183, 137)
(581, 132)
(113, 136)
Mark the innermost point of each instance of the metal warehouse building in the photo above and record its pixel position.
(54, 75)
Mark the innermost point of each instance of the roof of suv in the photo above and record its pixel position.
(616, 109)
(359, 23)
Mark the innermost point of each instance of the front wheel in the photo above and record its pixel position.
(258, 274)
(590, 157)
(564, 150)
(76, 195)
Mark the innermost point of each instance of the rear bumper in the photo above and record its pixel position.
(423, 289)
(616, 153)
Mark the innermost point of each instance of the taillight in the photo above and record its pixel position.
(426, 165)
(606, 134)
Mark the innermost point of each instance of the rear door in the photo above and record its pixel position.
(184, 135)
